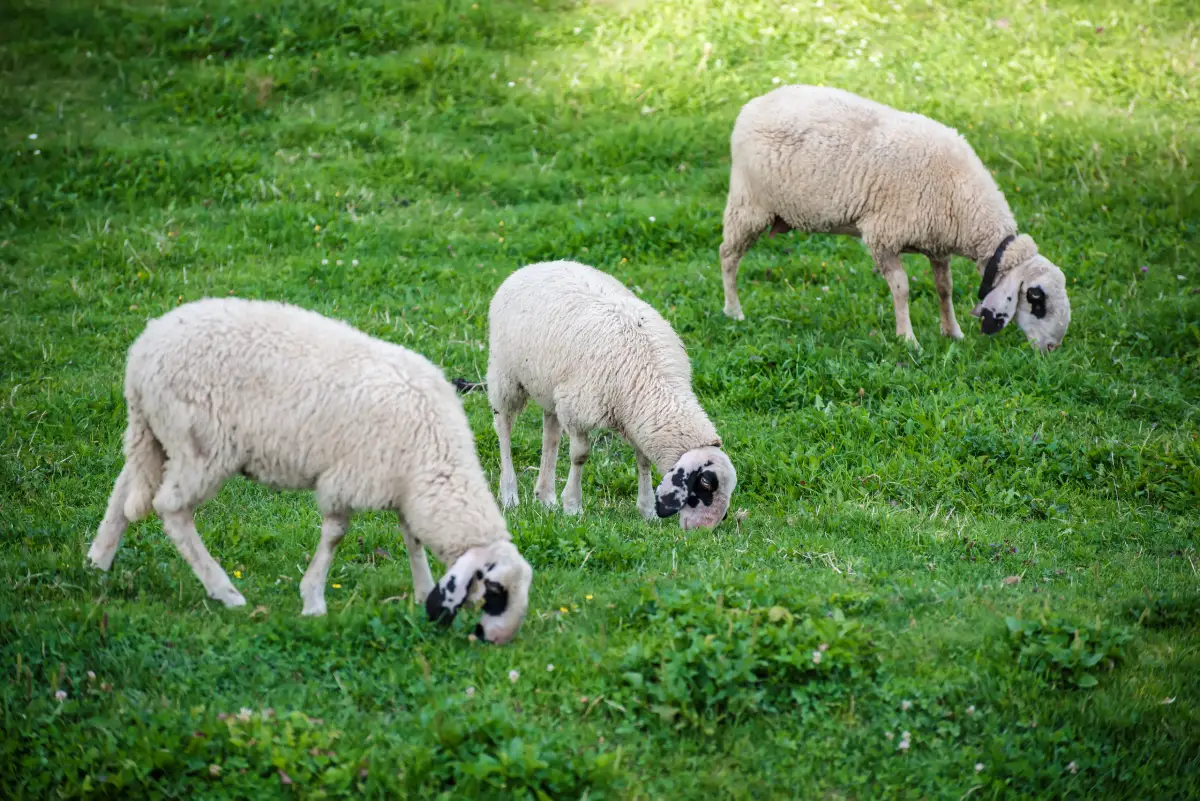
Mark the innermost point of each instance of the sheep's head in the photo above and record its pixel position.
(495, 574)
(1034, 291)
(697, 488)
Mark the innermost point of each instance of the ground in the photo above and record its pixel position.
(968, 570)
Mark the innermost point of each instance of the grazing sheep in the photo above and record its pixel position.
(593, 355)
(827, 161)
(295, 400)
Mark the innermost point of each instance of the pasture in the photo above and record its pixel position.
(968, 570)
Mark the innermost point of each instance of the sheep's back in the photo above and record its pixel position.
(562, 323)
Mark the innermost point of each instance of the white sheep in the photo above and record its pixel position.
(593, 355)
(824, 160)
(295, 400)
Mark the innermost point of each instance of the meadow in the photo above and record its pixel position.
(969, 570)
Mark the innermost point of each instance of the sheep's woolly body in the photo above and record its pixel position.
(828, 161)
(823, 160)
(578, 341)
(593, 355)
(295, 400)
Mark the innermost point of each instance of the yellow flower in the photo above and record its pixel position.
(316, 228)
(563, 609)
(237, 574)
(337, 586)
(588, 597)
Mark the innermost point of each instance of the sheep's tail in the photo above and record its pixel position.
(463, 386)
(144, 460)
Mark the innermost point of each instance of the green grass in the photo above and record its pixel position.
(998, 549)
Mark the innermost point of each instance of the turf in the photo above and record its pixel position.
(997, 550)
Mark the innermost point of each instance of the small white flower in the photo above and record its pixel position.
(903, 745)
(470, 692)
(38, 153)
(244, 714)
(33, 136)
(916, 65)
(354, 262)
(1073, 767)
(339, 262)
(270, 57)
(823, 646)
(493, 76)
(905, 735)
(511, 84)
(513, 676)
(816, 656)
(324, 261)
(550, 668)
(61, 695)
(824, 289)
(774, 80)
(1180, 277)
(91, 675)
(578, 30)
(979, 767)
(906, 705)
(971, 709)
(888, 735)
(652, 220)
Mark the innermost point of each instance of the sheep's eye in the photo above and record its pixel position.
(706, 484)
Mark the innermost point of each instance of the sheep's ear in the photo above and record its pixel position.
(444, 600)
(1000, 305)
(671, 493)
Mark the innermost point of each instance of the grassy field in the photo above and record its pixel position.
(964, 571)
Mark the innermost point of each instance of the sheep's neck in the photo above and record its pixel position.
(665, 423)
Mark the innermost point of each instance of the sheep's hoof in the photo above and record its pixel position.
(572, 507)
(314, 610)
(230, 597)
(545, 498)
(734, 313)
(100, 562)
(953, 334)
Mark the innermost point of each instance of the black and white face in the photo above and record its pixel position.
(1035, 294)
(496, 575)
(698, 488)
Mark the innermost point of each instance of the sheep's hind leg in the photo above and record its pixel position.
(419, 564)
(645, 496)
(892, 270)
(186, 485)
(312, 586)
(551, 436)
(503, 422)
(945, 290)
(572, 497)
(112, 528)
(744, 224)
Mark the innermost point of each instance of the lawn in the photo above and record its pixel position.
(968, 570)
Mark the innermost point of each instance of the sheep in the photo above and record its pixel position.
(824, 160)
(295, 400)
(593, 355)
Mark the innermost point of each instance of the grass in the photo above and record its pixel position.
(998, 550)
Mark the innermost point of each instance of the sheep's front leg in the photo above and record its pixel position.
(645, 498)
(503, 421)
(945, 290)
(551, 436)
(572, 497)
(893, 272)
(312, 586)
(419, 564)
